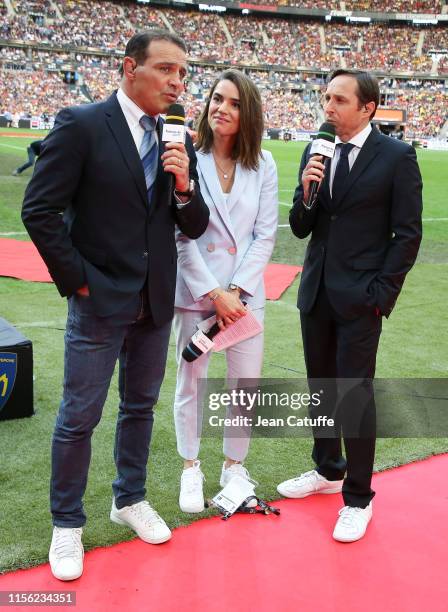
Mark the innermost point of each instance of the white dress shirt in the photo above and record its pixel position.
(358, 140)
(133, 113)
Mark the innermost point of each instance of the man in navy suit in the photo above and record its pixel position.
(101, 210)
(365, 234)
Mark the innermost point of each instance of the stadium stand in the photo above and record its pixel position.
(59, 52)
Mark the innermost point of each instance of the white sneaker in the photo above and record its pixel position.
(66, 553)
(191, 497)
(308, 483)
(236, 469)
(144, 520)
(352, 523)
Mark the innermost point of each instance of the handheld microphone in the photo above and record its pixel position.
(174, 131)
(200, 343)
(323, 145)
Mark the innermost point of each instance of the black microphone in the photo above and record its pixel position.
(200, 339)
(174, 131)
(201, 342)
(322, 145)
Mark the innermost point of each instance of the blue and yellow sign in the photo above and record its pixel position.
(8, 371)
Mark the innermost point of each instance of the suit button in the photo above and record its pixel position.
(145, 254)
(231, 250)
(333, 217)
(210, 247)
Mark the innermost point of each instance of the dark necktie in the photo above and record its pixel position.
(342, 172)
(149, 152)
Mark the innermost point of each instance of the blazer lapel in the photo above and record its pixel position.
(210, 178)
(239, 186)
(368, 152)
(120, 130)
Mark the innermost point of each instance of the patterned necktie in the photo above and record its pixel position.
(342, 172)
(149, 152)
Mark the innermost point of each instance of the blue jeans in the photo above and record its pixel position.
(92, 346)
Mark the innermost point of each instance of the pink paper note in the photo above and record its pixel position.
(244, 328)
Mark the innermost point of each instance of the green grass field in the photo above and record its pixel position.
(414, 343)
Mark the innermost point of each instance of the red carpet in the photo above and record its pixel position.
(287, 563)
(20, 259)
(278, 277)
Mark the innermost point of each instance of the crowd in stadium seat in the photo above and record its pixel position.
(236, 39)
(425, 107)
(285, 106)
(395, 6)
(437, 38)
(141, 19)
(401, 6)
(321, 4)
(443, 65)
(35, 93)
(217, 38)
(386, 47)
(35, 7)
(203, 33)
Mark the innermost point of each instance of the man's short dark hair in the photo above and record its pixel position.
(368, 87)
(137, 46)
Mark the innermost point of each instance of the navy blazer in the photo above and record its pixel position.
(364, 245)
(86, 210)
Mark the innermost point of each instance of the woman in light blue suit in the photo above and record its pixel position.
(225, 266)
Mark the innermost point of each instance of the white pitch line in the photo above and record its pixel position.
(41, 323)
(8, 146)
(13, 233)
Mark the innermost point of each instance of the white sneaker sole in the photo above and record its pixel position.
(303, 495)
(71, 576)
(161, 540)
(67, 579)
(348, 539)
(192, 509)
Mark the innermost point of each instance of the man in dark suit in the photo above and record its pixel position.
(365, 234)
(33, 151)
(101, 210)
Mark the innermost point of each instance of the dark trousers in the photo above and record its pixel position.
(340, 357)
(92, 346)
(29, 163)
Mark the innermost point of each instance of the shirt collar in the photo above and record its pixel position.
(359, 139)
(133, 111)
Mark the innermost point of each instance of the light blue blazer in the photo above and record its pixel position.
(238, 242)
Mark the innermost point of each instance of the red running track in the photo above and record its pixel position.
(285, 563)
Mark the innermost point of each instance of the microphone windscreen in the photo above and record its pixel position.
(191, 352)
(175, 115)
(327, 132)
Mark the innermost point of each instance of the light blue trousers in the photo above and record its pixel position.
(244, 360)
